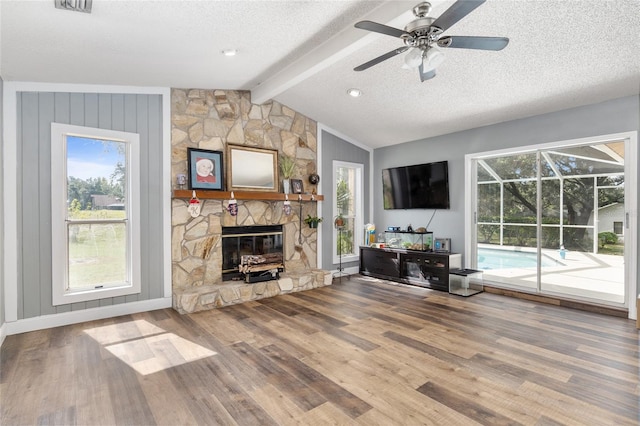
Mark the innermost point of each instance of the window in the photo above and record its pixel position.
(617, 228)
(95, 213)
(348, 191)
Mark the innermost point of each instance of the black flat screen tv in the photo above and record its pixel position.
(421, 186)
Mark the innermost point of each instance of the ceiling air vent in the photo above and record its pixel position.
(77, 5)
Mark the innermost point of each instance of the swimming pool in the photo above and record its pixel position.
(506, 259)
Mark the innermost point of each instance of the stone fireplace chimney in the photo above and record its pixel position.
(211, 119)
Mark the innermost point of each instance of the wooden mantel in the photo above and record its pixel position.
(244, 195)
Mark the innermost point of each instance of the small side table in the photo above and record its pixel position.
(465, 282)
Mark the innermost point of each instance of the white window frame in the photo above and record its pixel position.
(59, 241)
(621, 227)
(359, 209)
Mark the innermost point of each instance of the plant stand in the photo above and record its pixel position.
(340, 272)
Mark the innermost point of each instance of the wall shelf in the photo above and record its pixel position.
(243, 195)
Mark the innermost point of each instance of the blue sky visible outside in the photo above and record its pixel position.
(92, 158)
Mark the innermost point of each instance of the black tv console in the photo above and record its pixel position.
(425, 269)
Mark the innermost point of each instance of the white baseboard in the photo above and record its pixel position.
(74, 317)
(3, 333)
(347, 271)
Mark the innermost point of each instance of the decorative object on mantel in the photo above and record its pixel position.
(194, 205)
(287, 168)
(312, 221)
(314, 179)
(181, 181)
(296, 186)
(252, 169)
(232, 206)
(205, 169)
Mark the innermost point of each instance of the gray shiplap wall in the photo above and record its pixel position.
(2, 206)
(133, 113)
(335, 148)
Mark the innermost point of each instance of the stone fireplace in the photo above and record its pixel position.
(209, 119)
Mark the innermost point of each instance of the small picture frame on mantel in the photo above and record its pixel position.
(296, 186)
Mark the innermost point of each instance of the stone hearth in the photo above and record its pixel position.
(217, 296)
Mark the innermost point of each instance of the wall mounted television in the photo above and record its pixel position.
(421, 186)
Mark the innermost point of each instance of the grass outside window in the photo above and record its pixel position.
(97, 251)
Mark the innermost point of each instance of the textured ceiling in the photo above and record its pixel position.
(562, 53)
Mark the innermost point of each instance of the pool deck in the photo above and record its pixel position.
(584, 275)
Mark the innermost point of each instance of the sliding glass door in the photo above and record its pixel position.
(553, 220)
(590, 184)
(506, 219)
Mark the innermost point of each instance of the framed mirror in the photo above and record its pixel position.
(252, 169)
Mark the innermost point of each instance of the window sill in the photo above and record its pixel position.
(95, 294)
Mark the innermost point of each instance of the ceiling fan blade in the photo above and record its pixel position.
(471, 42)
(381, 58)
(456, 12)
(424, 76)
(379, 28)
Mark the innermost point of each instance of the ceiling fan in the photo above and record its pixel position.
(422, 37)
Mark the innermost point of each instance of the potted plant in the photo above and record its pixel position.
(339, 221)
(312, 221)
(287, 168)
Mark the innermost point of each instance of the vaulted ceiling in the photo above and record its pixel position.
(561, 54)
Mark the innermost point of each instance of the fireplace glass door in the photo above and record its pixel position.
(239, 241)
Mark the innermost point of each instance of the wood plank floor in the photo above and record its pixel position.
(362, 352)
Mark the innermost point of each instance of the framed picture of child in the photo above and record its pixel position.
(205, 169)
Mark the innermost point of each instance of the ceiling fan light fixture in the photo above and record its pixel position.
(413, 58)
(433, 59)
(355, 93)
(74, 5)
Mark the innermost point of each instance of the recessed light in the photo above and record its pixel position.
(354, 92)
(230, 52)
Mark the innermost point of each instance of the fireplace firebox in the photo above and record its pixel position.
(252, 253)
